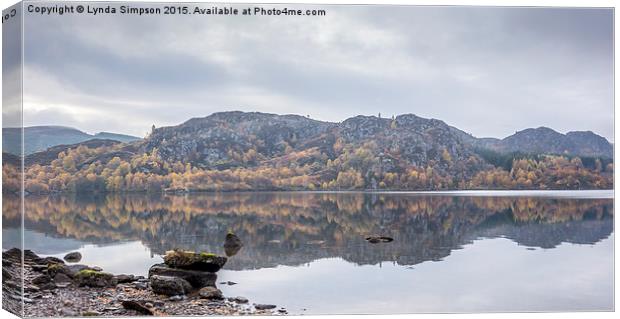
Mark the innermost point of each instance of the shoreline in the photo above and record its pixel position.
(560, 193)
(124, 295)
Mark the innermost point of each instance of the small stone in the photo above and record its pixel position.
(38, 268)
(134, 305)
(379, 239)
(67, 302)
(73, 257)
(124, 278)
(230, 283)
(210, 293)
(264, 306)
(63, 284)
(32, 288)
(91, 313)
(148, 305)
(239, 299)
(61, 278)
(140, 285)
(176, 298)
(68, 312)
(42, 279)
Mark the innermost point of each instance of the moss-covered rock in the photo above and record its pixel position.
(55, 268)
(93, 278)
(194, 261)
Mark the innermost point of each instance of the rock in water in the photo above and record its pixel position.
(379, 239)
(73, 257)
(170, 286)
(210, 293)
(264, 307)
(94, 278)
(239, 299)
(197, 279)
(232, 244)
(194, 261)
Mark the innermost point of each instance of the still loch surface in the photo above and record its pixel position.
(452, 252)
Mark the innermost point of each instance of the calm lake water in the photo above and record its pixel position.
(452, 252)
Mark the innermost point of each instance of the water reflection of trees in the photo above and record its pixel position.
(295, 228)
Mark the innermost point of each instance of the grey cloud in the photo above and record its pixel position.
(489, 71)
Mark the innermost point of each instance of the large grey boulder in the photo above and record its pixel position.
(170, 286)
(197, 279)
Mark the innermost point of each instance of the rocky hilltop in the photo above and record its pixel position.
(209, 142)
(237, 139)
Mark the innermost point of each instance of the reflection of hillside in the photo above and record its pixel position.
(296, 228)
(549, 235)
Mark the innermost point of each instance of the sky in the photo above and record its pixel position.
(489, 71)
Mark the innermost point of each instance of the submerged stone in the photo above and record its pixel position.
(264, 307)
(379, 239)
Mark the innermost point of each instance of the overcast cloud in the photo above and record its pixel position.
(488, 71)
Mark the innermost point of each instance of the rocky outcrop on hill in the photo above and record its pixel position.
(209, 142)
(212, 141)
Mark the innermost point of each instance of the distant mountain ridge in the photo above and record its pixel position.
(40, 138)
(543, 140)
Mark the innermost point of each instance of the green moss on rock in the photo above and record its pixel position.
(195, 261)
